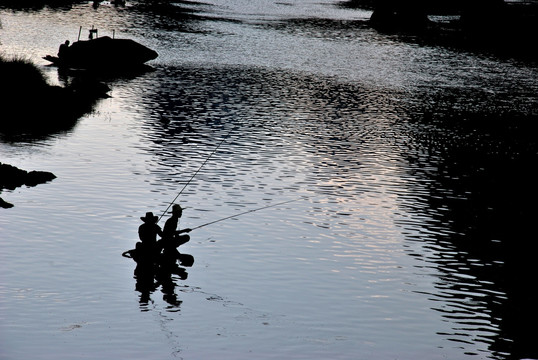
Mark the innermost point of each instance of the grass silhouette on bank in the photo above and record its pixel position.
(30, 105)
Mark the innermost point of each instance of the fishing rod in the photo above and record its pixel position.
(200, 168)
(243, 213)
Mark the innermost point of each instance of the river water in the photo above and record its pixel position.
(408, 170)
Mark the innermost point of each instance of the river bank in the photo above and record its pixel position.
(503, 28)
(36, 108)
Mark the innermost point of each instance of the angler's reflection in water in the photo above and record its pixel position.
(162, 271)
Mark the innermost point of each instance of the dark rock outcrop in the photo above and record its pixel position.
(12, 177)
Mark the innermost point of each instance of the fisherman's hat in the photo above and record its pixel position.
(149, 217)
(177, 207)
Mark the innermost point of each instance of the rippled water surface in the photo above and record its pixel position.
(402, 179)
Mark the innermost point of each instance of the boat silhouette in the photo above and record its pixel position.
(102, 52)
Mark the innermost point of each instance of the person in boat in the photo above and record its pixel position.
(148, 231)
(170, 232)
(62, 51)
(172, 239)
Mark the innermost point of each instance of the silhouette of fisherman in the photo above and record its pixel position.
(168, 259)
(155, 268)
(171, 232)
(172, 239)
(62, 51)
(147, 232)
(146, 255)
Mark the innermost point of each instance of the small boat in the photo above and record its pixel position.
(102, 52)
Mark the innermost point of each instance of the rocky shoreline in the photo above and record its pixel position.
(12, 177)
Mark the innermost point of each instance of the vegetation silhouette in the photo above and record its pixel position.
(33, 108)
(497, 26)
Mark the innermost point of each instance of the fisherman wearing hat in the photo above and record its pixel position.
(148, 231)
(172, 239)
(170, 232)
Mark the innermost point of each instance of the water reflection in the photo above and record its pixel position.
(149, 280)
(163, 273)
(459, 185)
(476, 193)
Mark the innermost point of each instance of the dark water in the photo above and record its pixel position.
(411, 168)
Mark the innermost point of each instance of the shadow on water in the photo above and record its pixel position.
(475, 174)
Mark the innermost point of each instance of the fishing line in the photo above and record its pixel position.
(243, 213)
(200, 168)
